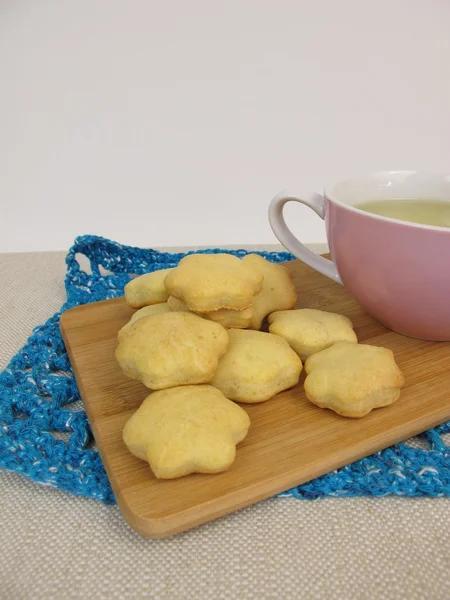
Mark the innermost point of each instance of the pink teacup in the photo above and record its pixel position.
(398, 271)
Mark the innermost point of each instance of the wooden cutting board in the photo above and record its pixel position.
(290, 440)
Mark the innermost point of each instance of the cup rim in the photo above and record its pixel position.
(328, 194)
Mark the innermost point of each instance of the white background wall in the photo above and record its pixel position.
(160, 122)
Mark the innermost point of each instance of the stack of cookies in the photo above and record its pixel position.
(195, 340)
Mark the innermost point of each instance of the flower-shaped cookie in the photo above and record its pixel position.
(228, 318)
(189, 429)
(352, 379)
(309, 331)
(209, 282)
(147, 289)
(278, 291)
(153, 309)
(256, 366)
(170, 349)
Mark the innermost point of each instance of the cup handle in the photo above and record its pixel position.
(287, 238)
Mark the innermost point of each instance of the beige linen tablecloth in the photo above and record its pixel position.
(54, 545)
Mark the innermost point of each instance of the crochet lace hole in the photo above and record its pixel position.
(60, 373)
(83, 263)
(19, 414)
(419, 442)
(446, 439)
(74, 405)
(90, 444)
(104, 272)
(63, 436)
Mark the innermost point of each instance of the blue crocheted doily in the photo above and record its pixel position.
(39, 402)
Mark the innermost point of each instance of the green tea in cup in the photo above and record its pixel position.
(413, 210)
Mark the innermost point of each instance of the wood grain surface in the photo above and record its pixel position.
(290, 440)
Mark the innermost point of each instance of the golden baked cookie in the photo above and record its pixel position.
(147, 289)
(153, 309)
(352, 379)
(183, 430)
(209, 282)
(309, 331)
(170, 349)
(177, 305)
(277, 293)
(256, 366)
(236, 319)
(231, 319)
